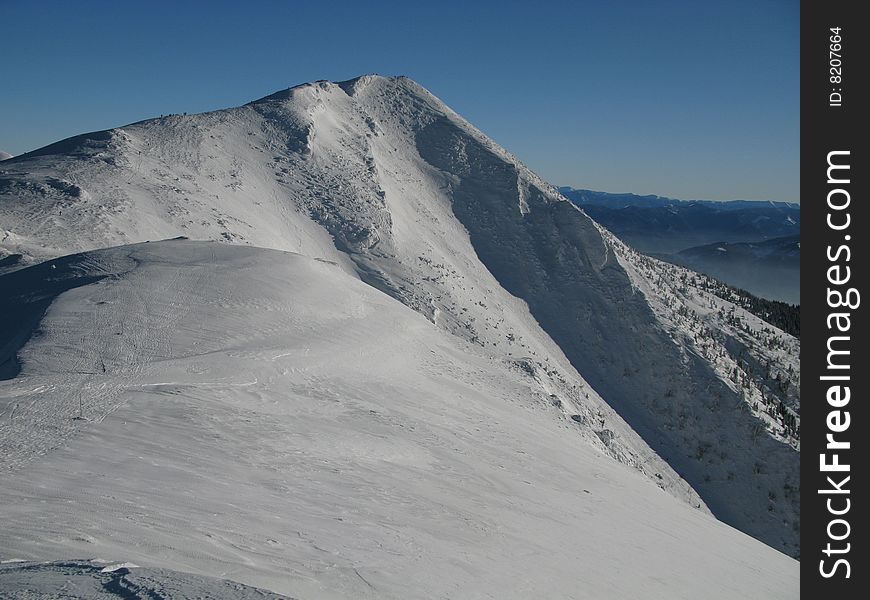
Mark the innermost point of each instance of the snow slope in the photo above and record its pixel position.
(380, 177)
(267, 418)
(99, 580)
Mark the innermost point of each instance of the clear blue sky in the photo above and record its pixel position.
(690, 99)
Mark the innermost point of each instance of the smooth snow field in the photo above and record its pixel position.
(214, 412)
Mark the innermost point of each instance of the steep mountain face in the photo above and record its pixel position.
(381, 178)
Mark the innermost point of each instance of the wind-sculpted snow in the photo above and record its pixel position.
(103, 580)
(382, 179)
(296, 430)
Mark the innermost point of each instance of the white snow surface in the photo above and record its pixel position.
(267, 418)
(78, 578)
(317, 171)
(512, 291)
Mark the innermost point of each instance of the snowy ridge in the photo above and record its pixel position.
(536, 307)
(236, 449)
(341, 180)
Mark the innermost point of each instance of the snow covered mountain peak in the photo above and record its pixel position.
(381, 178)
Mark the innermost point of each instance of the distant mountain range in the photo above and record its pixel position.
(772, 266)
(749, 244)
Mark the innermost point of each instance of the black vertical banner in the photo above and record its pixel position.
(835, 224)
